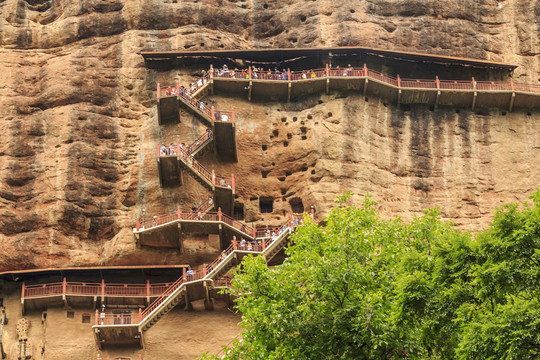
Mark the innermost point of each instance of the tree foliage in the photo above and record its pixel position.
(361, 287)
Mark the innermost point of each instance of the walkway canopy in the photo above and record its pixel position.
(135, 272)
(281, 55)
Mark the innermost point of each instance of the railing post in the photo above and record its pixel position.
(512, 84)
(213, 177)
(327, 71)
(97, 317)
(232, 115)
(23, 290)
(398, 81)
(138, 225)
(158, 149)
(365, 70)
(438, 82)
(473, 83)
(204, 270)
(232, 181)
(178, 148)
(211, 71)
(250, 73)
(158, 90)
(64, 286)
(263, 244)
(254, 232)
(213, 113)
(219, 214)
(234, 242)
(288, 74)
(178, 212)
(140, 315)
(103, 287)
(184, 274)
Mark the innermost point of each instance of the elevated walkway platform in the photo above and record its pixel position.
(220, 123)
(86, 294)
(455, 93)
(172, 164)
(168, 230)
(111, 330)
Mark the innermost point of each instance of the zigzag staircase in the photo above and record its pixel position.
(205, 278)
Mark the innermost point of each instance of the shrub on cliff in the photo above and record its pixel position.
(365, 288)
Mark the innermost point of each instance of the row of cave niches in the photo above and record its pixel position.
(303, 131)
(266, 206)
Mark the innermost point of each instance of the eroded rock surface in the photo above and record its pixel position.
(79, 128)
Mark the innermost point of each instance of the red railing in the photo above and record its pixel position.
(253, 247)
(493, 85)
(93, 289)
(418, 84)
(201, 141)
(364, 71)
(197, 215)
(196, 166)
(42, 290)
(117, 319)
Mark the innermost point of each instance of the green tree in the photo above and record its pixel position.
(361, 287)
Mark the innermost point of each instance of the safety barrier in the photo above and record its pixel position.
(196, 166)
(287, 75)
(197, 216)
(118, 319)
(92, 289)
(201, 274)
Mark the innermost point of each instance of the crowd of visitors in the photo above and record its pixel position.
(285, 74)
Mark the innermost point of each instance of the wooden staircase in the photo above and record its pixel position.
(198, 108)
(179, 292)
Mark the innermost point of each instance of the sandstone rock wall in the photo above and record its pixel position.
(77, 118)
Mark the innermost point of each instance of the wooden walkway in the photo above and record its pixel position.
(436, 92)
(110, 329)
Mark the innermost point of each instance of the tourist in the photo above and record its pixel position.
(168, 91)
(154, 221)
(210, 201)
(304, 76)
(243, 243)
(250, 246)
(163, 150)
(313, 75)
(209, 133)
(190, 274)
(172, 151)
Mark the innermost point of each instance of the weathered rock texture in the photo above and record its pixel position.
(78, 125)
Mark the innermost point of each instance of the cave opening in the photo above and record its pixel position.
(297, 206)
(238, 211)
(266, 205)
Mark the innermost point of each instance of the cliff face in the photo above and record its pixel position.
(79, 127)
